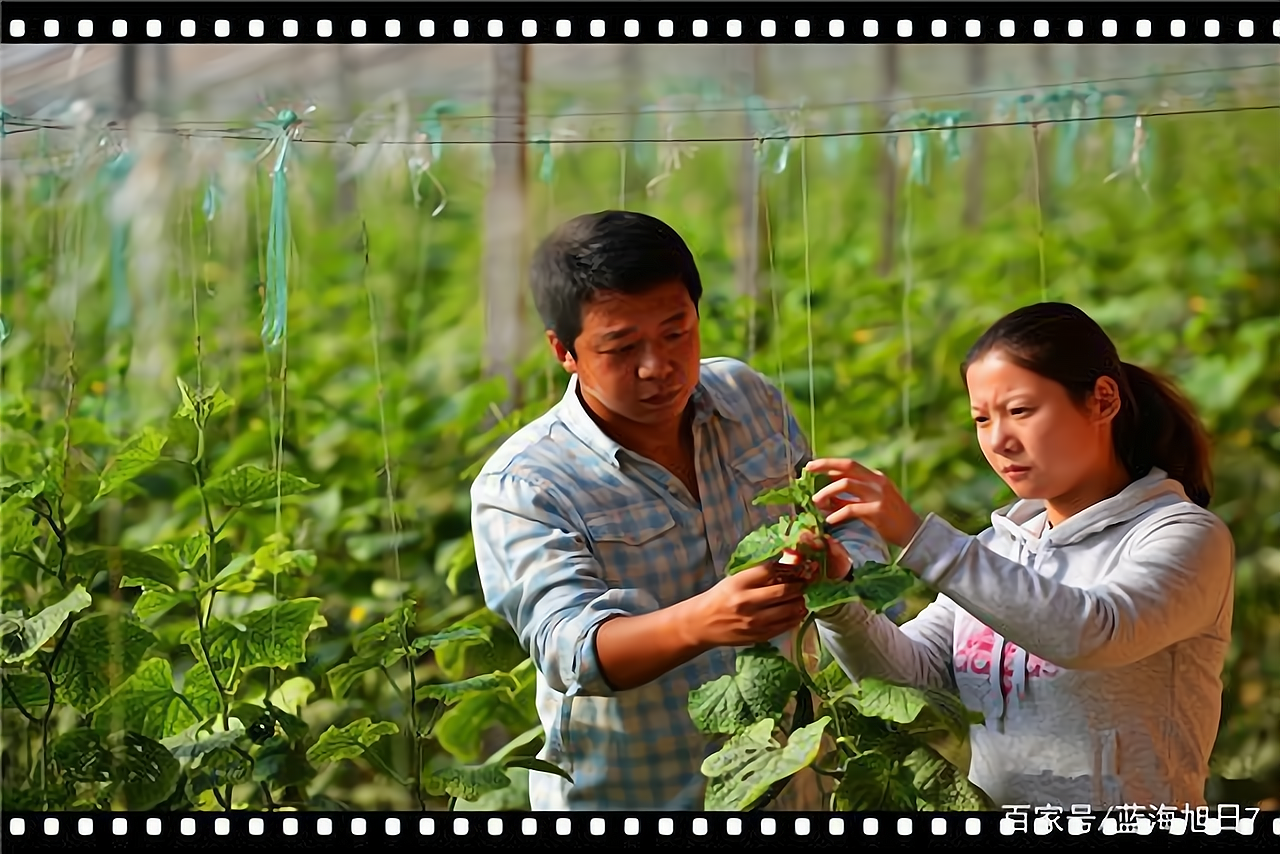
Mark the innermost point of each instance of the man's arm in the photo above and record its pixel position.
(537, 574)
(586, 637)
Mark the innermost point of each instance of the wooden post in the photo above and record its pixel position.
(975, 177)
(129, 103)
(505, 218)
(889, 171)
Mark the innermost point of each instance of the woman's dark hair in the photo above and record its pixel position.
(606, 251)
(1156, 425)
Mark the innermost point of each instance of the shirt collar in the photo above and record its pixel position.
(706, 403)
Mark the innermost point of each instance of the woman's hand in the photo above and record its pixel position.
(876, 500)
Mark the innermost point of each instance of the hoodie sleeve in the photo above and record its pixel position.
(918, 652)
(1169, 583)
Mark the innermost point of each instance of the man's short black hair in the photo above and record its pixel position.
(618, 251)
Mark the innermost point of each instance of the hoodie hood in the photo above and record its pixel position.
(1133, 501)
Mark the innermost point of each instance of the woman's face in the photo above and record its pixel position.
(1040, 442)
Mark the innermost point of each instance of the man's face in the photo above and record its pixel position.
(638, 354)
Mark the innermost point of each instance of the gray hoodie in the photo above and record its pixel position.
(1094, 649)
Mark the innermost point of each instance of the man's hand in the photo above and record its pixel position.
(838, 561)
(750, 607)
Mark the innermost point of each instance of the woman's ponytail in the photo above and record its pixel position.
(1162, 430)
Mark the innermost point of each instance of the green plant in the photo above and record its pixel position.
(152, 743)
(895, 747)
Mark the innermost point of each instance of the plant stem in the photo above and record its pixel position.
(17, 704)
(29, 558)
(377, 762)
(47, 667)
(202, 619)
(392, 682)
(415, 752)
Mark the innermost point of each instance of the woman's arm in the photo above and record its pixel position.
(1171, 583)
(869, 645)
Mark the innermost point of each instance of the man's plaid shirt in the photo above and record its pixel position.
(571, 528)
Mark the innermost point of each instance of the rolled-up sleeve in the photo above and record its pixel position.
(539, 575)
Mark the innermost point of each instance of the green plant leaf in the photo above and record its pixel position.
(875, 585)
(147, 704)
(201, 693)
(527, 744)
(31, 690)
(138, 454)
(764, 545)
(466, 784)
(941, 786)
(872, 783)
(743, 771)
(249, 484)
(384, 636)
(282, 764)
(350, 741)
(450, 693)
(191, 745)
(466, 654)
(926, 709)
(199, 407)
(791, 495)
(764, 683)
(342, 676)
(130, 568)
(276, 636)
(460, 730)
(532, 763)
(221, 650)
(40, 629)
(464, 635)
(145, 770)
(81, 756)
(154, 603)
(101, 652)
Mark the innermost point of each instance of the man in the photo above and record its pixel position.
(603, 528)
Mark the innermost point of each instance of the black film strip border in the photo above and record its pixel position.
(62, 831)
(236, 22)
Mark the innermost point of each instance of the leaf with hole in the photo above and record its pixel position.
(751, 762)
(34, 633)
(146, 773)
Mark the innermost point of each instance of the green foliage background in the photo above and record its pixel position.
(1185, 275)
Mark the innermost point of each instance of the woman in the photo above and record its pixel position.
(1090, 622)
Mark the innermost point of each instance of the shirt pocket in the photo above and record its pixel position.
(616, 535)
(770, 464)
